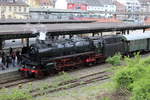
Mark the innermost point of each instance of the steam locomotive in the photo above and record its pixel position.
(46, 57)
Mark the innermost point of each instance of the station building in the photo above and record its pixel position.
(39, 3)
(90, 5)
(11, 9)
(129, 6)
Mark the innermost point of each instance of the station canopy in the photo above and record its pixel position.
(42, 21)
(65, 29)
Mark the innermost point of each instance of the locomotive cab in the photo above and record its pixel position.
(112, 45)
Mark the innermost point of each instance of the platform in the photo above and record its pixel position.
(8, 70)
(11, 69)
(9, 74)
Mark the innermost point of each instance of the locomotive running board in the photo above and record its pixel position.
(68, 56)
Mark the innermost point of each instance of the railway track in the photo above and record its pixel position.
(8, 78)
(9, 81)
(16, 82)
(87, 79)
(12, 79)
(100, 76)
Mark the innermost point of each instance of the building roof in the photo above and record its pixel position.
(77, 1)
(91, 2)
(95, 2)
(143, 1)
(17, 3)
(132, 37)
(147, 20)
(53, 10)
(45, 2)
(106, 2)
(125, 2)
(119, 4)
(88, 2)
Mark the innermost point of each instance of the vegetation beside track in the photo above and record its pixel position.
(131, 78)
(62, 82)
(88, 92)
(22, 93)
(135, 77)
(14, 94)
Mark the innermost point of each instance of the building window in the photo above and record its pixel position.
(3, 8)
(10, 8)
(9, 16)
(78, 7)
(19, 9)
(15, 9)
(25, 9)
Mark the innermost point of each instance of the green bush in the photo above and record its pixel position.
(135, 76)
(115, 60)
(105, 98)
(146, 61)
(133, 62)
(127, 75)
(15, 94)
(141, 89)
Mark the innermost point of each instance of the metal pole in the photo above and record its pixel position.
(27, 42)
(128, 32)
(143, 30)
(101, 34)
(93, 34)
(70, 36)
(122, 32)
(1, 44)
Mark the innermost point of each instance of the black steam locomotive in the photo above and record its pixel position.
(46, 57)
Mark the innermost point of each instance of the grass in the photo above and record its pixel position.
(83, 93)
(14, 94)
(23, 91)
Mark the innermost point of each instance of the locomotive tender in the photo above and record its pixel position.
(45, 57)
